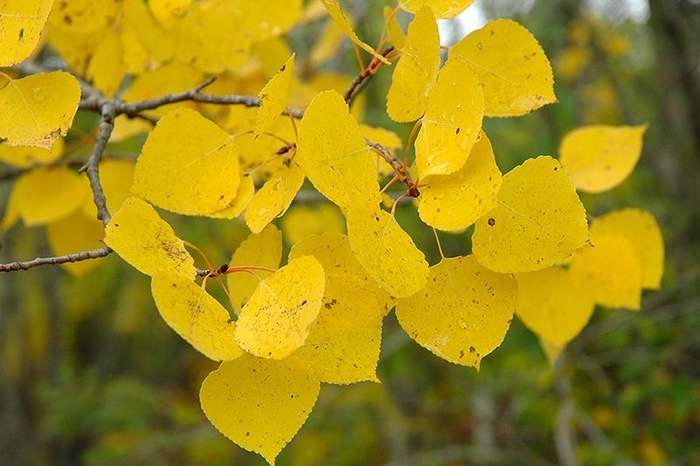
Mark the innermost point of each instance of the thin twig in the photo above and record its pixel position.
(92, 166)
(363, 78)
(397, 166)
(56, 260)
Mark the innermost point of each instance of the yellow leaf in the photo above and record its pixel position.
(339, 17)
(45, 195)
(155, 40)
(167, 11)
(212, 36)
(246, 190)
(611, 270)
(106, 69)
(263, 249)
(452, 121)
(396, 34)
(11, 211)
(443, 8)
(464, 312)
(116, 176)
(453, 202)
(276, 319)
(273, 199)
(270, 18)
(147, 242)
(551, 351)
(417, 69)
(387, 253)
(20, 156)
(21, 23)
(260, 404)
(38, 109)
(327, 44)
(334, 155)
(302, 220)
(601, 157)
(74, 234)
(389, 140)
(344, 340)
(81, 16)
(515, 74)
(197, 317)
(553, 305)
(539, 221)
(188, 165)
(274, 97)
(640, 227)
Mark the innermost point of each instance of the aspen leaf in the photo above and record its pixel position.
(274, 97)
(212, 36)
(387, 253)
(73, 234)
(396, 34)
(157, 42)
(514, 72)
(304, 220)
(274, 198)
(344, 340)
(452, 121)
(188, 165)
(26, 156)
(553, 305)
(105, 71)
(539, 221)
(463, 313)
(170, 78)
(611, 270)
(601, 157)
(21, 23)
(262, 249)
(46, 195)
(551, 351)
(333, 153)
(38, 109)
(453, 202)
(327, 44)
(194, 315)
(417, 69)
(641, 228)
(144, 240)
(443, 9)
(82, 16)
(11, 211)
(339, 17)
(244, 194)
(276, 319)
(116, 176)
(270, 18)
(167, 11)
(260, 404)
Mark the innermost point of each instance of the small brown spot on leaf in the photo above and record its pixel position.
(492, 221)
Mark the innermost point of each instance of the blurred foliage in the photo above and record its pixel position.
(90, 374)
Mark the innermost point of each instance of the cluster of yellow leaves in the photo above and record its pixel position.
(318, 319)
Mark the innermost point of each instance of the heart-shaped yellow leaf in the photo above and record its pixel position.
(464, 312)
(514, 72)
(416, 71)
(38, 109)
(641, 228)
(146, 241)
(387, 253)
(452, 121)
(453, 202)
(188, 165)
(196, 316)
(344, 340)
(259, 403)
(601, 157)
(276, 319)
(76, 233)
(553, 305)
(21, 23)
(274, 198)
(539, 221)
(334, 155)
(45, 195)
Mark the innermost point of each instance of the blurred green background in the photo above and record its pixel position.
(90, 374)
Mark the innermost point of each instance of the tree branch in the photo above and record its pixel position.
(56, 260)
